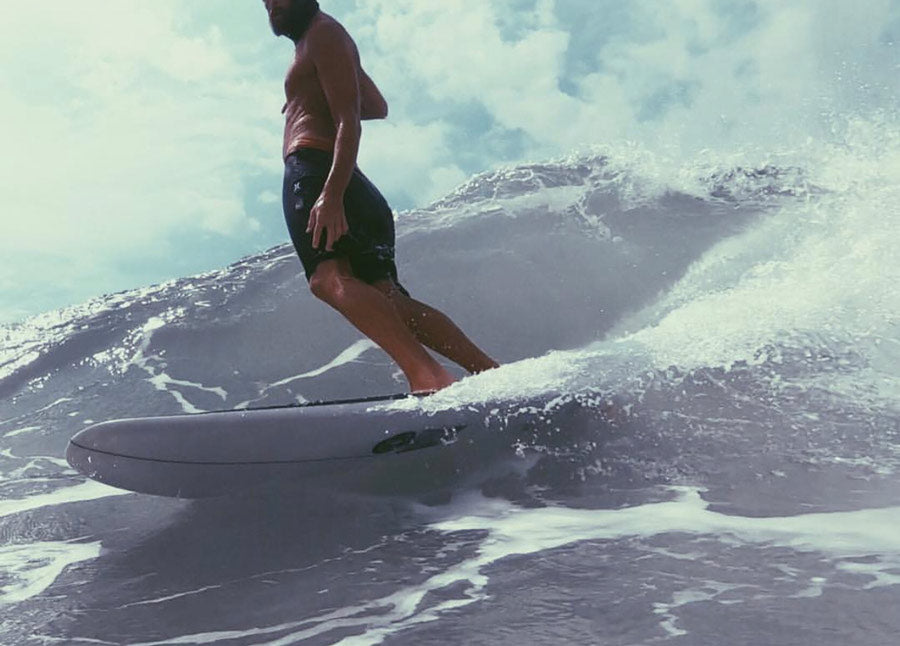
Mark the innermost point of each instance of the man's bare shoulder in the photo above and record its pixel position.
(326, 33)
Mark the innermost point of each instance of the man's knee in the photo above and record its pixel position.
(327, 285)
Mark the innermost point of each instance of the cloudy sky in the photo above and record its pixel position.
(141, 140)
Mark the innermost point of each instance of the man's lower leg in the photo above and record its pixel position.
(374, 315)
(436, 330)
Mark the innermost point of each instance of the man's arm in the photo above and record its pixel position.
(336, 60)
(372, 103)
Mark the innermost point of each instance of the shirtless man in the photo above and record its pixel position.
(341, 226)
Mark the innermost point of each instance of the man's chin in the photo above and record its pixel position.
(279, 28)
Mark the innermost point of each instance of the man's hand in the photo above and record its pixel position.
(327, 215)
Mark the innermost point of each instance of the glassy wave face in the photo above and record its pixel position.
(694, 432)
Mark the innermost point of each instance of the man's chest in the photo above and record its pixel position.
(301, 76)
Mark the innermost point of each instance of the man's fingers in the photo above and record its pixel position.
(334, 234)
(333, 231)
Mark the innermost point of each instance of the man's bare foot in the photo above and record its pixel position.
(489, 364)
(431, 383)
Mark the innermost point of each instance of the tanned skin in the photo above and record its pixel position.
(328, 96)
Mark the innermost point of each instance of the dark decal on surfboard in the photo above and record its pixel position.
(413, 441)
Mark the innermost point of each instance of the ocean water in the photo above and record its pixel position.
(695, 435)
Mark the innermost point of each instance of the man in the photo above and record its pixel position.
(341, 226)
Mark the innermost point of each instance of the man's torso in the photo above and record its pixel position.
(308, 121)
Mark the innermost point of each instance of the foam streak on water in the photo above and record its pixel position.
(88, 490)
(29, 569)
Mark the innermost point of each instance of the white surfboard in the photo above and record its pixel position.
(211, 454)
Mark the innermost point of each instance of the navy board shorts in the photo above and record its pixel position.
(369, 243)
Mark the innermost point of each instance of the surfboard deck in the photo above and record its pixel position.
(215, 453)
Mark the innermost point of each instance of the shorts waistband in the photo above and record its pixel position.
(310, 154)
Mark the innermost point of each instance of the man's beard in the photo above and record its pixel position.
(296, 22)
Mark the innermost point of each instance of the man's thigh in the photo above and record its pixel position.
(389, 288)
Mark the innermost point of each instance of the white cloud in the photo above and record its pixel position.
(269, 197)
(454, 51)
(121, 133)
(401, 157)
(682, 74)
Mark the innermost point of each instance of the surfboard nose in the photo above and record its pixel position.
(101, 452)
(78, 458)
(82, 448)
(91, 447)
(99, 437)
